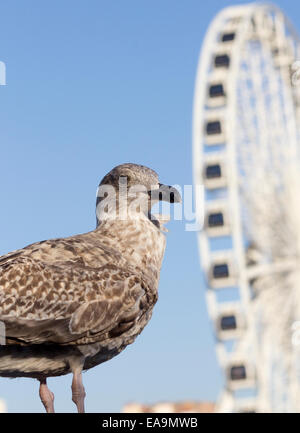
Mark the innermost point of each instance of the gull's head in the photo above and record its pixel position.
(131, 189)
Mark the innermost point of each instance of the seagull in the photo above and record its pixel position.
(69, 304)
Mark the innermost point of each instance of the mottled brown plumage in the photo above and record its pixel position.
(70, 304)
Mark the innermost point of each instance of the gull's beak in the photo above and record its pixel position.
(166, 193)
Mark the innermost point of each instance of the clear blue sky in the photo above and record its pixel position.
(92, 84)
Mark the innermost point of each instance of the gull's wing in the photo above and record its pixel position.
(66, 301)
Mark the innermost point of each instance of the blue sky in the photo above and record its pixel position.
(92, 84)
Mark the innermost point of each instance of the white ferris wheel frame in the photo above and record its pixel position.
(237, 19)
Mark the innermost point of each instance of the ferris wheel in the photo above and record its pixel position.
(246, 146)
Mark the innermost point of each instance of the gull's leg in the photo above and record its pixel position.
(78, 392)
(47, 397)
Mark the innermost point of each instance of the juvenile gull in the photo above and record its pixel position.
(70, 304)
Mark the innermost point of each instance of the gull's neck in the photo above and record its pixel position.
(137, 238)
